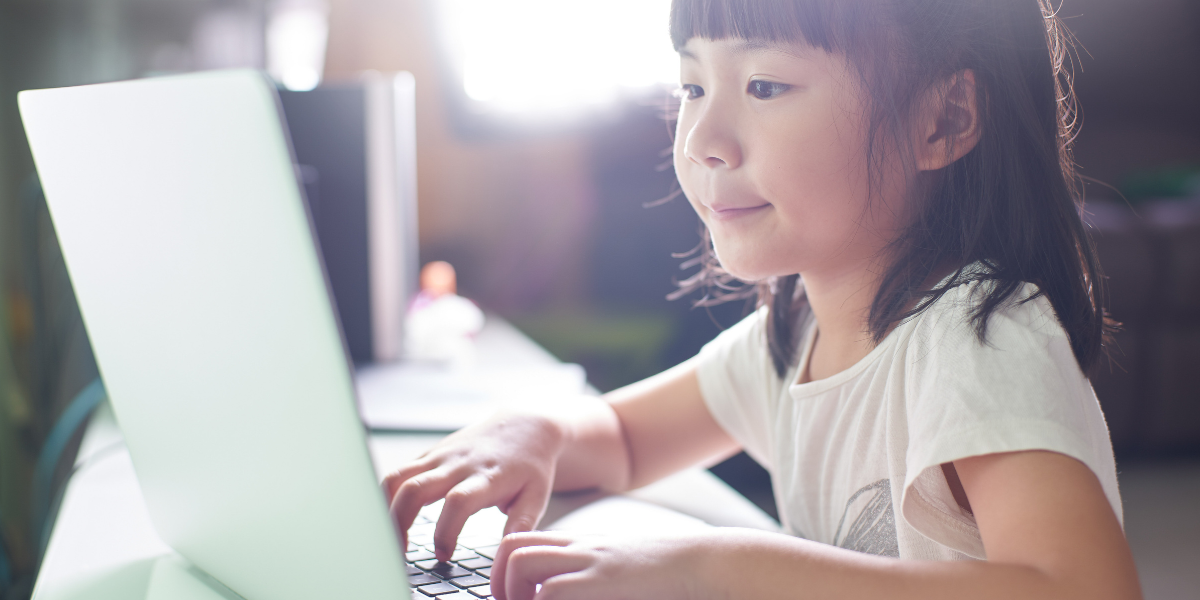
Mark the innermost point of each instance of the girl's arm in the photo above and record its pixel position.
(641, 433)
(1047, 527)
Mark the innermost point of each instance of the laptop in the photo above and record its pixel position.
(192, 256)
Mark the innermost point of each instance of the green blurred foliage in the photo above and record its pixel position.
(615, 347)
(1178, 181)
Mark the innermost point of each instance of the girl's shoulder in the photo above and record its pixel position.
(1021, 340)
(738, 361)
(1027, 314)
(1017, 387)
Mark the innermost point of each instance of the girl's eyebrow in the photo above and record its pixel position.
(753, 47)
(743, 47)
(795, 50)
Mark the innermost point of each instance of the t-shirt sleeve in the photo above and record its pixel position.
(739, 384)
(1021, 390)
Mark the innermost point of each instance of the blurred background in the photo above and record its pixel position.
(543, 152)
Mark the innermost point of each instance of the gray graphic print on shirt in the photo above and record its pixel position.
(873, 530)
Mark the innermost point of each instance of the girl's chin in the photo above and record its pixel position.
(756, 262)
(751, 261)
(746, 270)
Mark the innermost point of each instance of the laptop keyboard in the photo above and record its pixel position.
(468, 573)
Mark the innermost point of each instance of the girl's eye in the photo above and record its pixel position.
(765, 90)
(689, 91)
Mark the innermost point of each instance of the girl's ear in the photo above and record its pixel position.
(948, 127)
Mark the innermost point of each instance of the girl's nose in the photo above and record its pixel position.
(711, 141)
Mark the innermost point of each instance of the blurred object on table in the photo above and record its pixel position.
(441, 325)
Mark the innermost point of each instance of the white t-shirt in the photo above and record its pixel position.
(855, 458)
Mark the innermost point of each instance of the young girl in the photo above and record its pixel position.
(896, 177)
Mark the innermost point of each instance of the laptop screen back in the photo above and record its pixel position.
(192, 257)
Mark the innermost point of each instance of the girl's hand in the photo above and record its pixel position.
(507, 461)
(598, 568)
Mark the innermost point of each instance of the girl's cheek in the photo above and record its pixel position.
(680, 157)
(683, 172)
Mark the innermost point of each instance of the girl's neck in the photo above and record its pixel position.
(840, 300)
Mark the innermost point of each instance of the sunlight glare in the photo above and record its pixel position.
(297, 32)
(558, 55)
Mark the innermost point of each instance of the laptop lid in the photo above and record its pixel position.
(192, 256)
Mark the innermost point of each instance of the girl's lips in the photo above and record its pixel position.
(723, 213)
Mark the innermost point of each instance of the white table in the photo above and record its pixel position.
(103, 545)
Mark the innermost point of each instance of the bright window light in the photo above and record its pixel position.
(297, 31)
(558, 56)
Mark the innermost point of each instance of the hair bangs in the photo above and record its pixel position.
(789, 21)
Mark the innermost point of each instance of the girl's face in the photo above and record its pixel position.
(771, 151)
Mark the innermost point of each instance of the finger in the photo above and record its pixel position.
(527, 508)
(473, 494)
(419, 491)
(574, 585)
(392, 482)
(529, 566)
(517, 541)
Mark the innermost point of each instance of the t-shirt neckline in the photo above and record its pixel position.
(801, 390)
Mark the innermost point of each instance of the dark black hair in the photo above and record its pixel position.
(1012, 204)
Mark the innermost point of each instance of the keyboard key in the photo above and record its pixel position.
(426, 565)
(423, 527)
(423, 538)
(463, 554)
(475, 563)
(457, 596)
(448, 571)
(437, 589)
(483, 591)
(488, 551)
(484, 572)
(471, 541)
(418, 554)
(414, 570)
(422, 579)
(469, 581)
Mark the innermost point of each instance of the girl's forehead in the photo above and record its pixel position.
(699, 48)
